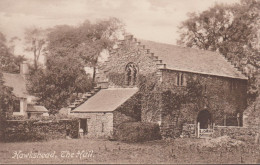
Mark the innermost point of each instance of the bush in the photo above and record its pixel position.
(137, 132)
(38, 130)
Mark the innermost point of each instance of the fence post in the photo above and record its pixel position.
(198, 129)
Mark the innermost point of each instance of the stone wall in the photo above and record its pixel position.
(99, 124)
(223, 96)
(240, 133)
(129, 50)
(34, 130)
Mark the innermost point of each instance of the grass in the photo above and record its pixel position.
(104, 151)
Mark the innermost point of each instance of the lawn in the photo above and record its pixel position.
(104, 151)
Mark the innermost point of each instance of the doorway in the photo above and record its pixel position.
(205, 119)
(84, 125)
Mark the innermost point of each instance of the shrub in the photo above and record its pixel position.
(137, 132)
(38, 130)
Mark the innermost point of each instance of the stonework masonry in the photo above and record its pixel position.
(98, 124)
(225, 97)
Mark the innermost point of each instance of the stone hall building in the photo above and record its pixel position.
(172, 67)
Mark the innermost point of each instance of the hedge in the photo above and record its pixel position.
(35, 130)
(137, 132)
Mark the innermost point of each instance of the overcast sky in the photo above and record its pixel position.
(155, 20)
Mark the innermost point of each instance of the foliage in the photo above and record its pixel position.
(69, 49)
(138, 132)
(8, 61)
(169, 104)
(35, 40)
(229, 29)
(174, 101)
(252, 89)
(147, 82)
(55, 85)
(6, 102)
(117, 79)
(35, 130)
(86, 41)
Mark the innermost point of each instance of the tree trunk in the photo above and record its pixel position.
(94, 74)
(35, 59)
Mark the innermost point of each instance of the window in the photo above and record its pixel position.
(131, 73)
(102, 127)
(180, 79)
(16, 106)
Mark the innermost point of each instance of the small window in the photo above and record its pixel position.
(102, 127)
(16, 106)
(180, 79)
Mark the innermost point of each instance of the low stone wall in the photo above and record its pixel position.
(188, 130)
(240, 133)
(35, 130)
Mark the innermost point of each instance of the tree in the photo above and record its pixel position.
(35, 39)
(86, 41)
(229, 29)
(8, 61)
(69, 49)
(55, 85)
(6, 104)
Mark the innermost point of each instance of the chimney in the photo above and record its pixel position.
(24, 69)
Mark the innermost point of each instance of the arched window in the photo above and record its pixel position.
(131, 70)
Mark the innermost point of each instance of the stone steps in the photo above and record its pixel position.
(83, 98)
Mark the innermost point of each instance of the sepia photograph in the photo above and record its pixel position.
(130, 82)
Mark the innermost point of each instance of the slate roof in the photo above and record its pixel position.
(193, 60)
(36, 108)
(106, 100)
(17, 82)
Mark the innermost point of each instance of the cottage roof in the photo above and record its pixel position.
(17, 82)
(106, 100)
(193, 60)
(36, 108)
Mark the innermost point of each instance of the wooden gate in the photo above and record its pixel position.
(204, 133)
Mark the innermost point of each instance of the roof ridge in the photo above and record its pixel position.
(176, 57)
(200, 50)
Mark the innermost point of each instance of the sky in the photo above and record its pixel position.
(155, 20)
